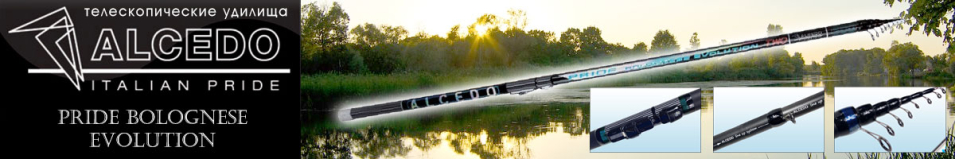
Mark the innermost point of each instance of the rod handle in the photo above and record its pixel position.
(361, 112)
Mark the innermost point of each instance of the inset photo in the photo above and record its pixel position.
(889, 119)
(768, 119)
(645, 119)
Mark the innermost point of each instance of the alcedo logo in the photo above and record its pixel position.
(55, 34)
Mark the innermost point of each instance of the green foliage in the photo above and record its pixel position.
(664, 42)
(370, 35)
(570, 40)
(591, 41)
(763, 65)
(324, 35)
(929, 16)
(585, 42)
(413, 47)
(903, 58)
(951, 64)
(379, 46)
(454, 33)
(848, 62)
(798, 63)
(640, 48)
(487, 19)
(940, 66)
(814, 67)
(951, 50)
(357, 63)
(874, 62)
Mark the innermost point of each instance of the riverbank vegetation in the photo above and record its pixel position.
(904, 60)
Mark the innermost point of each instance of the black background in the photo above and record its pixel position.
(30, 103)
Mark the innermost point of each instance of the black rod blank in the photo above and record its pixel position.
(773, 118)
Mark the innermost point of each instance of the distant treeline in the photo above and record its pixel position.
(502, 42)
(901, 60)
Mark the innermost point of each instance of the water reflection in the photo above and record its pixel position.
(488, 132)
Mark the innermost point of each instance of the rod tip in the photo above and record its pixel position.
(344, 114)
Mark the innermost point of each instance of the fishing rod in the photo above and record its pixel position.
(635, 124)
(527, 85)
(773, 118)
(851, 119)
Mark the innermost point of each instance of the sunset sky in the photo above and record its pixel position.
(630, 22)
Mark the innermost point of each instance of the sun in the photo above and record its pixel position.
(480, 30)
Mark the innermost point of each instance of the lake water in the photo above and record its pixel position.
(547, 124)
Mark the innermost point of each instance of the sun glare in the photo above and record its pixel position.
(480, 30)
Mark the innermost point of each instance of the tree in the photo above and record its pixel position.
(798, 63)
(379, 46)
(323, 26)
(873, 64)
(592, 43)
(517, 19)
(616, 48)
(324, 34)
(903, 58)
(951, 64)
(640, 48)
(424, 52)
(483, 24)
(774, 29)
(454, 34)
(856, 62)
(929, 16)
(694, 42)
(951, 50)
(570, 39)
(544, 48)
(939, 64)
(371, 35)
(829, 68)
(487, 19)
(585, 42)
(664, 42)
